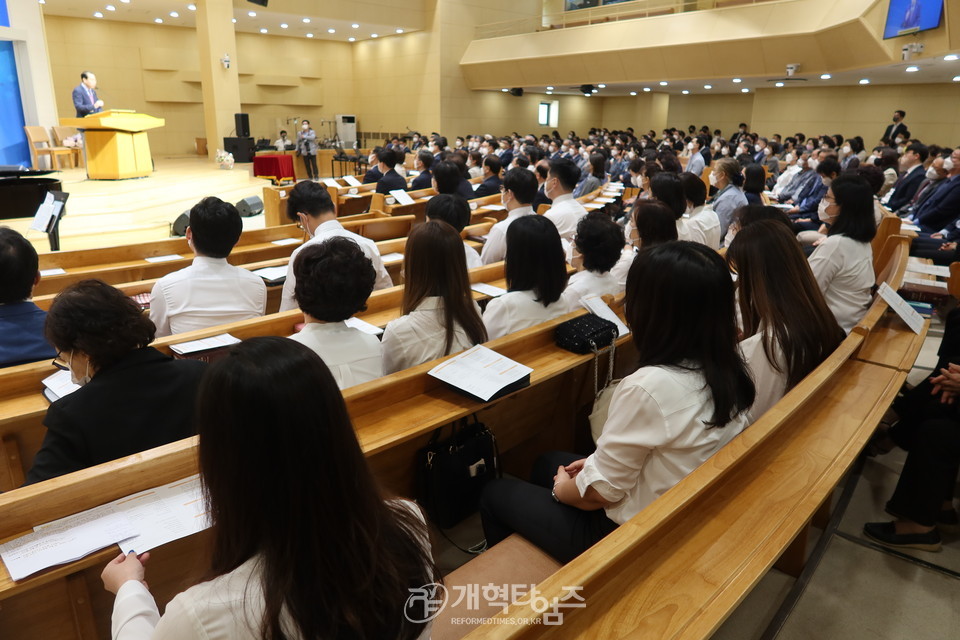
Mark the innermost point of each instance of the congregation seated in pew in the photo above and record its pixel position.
(565, 211)
(310, 205)
(334, 280)
(599, 241)
(688, 397)
(210, 291)
(653, 224)
(517, 193)
(21, 321)
(440, 316)
(389, 179)
(292, 557)
(455, 211)
(491, 178)
(422, 163)
(131, 396)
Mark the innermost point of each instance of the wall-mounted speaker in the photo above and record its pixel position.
(516, 92)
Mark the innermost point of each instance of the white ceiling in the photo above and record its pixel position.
(147, 11)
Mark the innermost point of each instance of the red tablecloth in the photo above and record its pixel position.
(278, 167)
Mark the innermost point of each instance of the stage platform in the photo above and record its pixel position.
(105, 213)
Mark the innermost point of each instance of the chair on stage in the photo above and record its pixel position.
(62, 133)
(38, 136)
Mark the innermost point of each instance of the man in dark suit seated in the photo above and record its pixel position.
(941, 209)
(422, 163)
(373, 174)
(21, 321)
(541, 170)
(390, 180)
(911, 166)
(491, 177)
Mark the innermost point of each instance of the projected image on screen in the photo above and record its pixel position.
(905, 17)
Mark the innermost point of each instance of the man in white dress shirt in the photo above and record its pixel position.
(565, 212)
(517, 193)
(702, 223)
(455, 211)
(311, 206)
(210, 291)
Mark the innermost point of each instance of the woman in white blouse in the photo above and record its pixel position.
(536, 272)
(787, 328)
(843, 262)
(599, 241)
(687, 399)
(440, 316)
(334, 280)
(293, 556)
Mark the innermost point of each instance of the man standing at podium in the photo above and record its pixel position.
(85, 96)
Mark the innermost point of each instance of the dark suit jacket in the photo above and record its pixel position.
(422, 181)
(893, 130)
(373, 175)
(488, 187)
(141, 402)
(465, 189)
(940, 209)
(21, 334)
(906, 188)
(391, 181)
(82, 103)
(541, 198)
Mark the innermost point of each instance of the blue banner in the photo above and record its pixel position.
(14, 148)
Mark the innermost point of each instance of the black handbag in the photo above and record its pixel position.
(586, 334)
(452, 472)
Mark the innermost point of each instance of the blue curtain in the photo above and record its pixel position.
(14, 148)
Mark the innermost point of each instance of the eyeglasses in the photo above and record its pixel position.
(60, 363)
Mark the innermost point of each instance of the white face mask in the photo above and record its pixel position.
(822, 212)
(725, 151)
(827, 181)
(690, 146)
(305, 127)
(872, 160)
(713, 179)
(899, 140)
(948, 165)
(788, 158)
(82, 380)
(636, 180)
(756, 148)
(932, 174)
(812, 163)
(766, 151)
(847, 149)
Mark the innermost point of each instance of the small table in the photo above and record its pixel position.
(276, 167)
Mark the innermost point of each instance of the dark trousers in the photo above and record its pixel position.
(930, 473)
(513, 506)
(310, 162)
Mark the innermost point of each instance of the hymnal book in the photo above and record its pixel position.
(488, 289)
(928, 269)
(58, 385)
(331, 182)
(56, 271)
(402, 196)
(482, 374)
(352, 181)
(272, 275)
(167, 258)
(204, 344)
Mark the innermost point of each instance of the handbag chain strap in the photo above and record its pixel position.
(596, 366)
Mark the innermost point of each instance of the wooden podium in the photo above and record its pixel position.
(116, 143)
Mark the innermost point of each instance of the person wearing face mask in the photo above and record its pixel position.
(491, 178)
(740, 135)
(809, 200)
(911, 175)
(131, 397)
(786, 177)
(422, 163)
(933, 179)
(373, 174)
(843, 263)
(726, 177)
(310, 206)
(565, 212)
(307, 147)
(939, 213)
(696, 164)
(517, 193)
(897, 129)
(889, 162)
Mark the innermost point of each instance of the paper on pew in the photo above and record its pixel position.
(605, 200)
(65, 540)
(591, 206)
(480, 372)
(929, 269)
(903, 309)
(926, 283)
(402, 196)
(282, 242)
(392, 257)
(271, 273)
(59, 385)
(56, 271)
(904, 226)
(204, 344)
(495, 207)
(164, 514)
(168, 258)
(352, 181)
(488, 289)
(595, 304)
(331, 182)
(353, 194)
(364, 326)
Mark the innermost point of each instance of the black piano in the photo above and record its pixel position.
(22, 191)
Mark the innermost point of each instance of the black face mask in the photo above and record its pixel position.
(896, 119)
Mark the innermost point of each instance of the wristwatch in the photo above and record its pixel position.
(553, 494)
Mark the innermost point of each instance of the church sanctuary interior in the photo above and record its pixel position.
(481, 319)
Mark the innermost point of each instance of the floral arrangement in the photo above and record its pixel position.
(225, 159)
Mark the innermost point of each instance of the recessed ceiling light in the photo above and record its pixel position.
(825, 76)
(956, 78)
(174, 14)
(192, 7)
(309, 35)
(950, 57)
(252, 14)
(125, 1)
(646, 89)
(504, 90)
(779, 84)
(708, 86)
(549, 88)
(43, 1)
(399, 30)
(97, 14)
(602, 86)
(306, 21)
(744, 90)
(587, 95)
(664, 83)
(549, 93)
(352, 39)
(373, 35)
(158, 20)
(865, 81)
(263, 30)
(233, 20)
(331, 30)
(912, 69)
(355, 25)
(284, 25)
(633, 93)
(595, 90)
(109, 7)
(685, 92)
(737, 81)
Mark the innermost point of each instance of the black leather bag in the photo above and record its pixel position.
(586, 334)
(452, 472)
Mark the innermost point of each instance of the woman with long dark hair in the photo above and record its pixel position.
(788, 329)
(688, 398)
(440, 316)
(308, 546)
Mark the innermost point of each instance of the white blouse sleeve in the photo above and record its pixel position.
(495, 246)
(158, 311)
(634, 427)
(392, 348)
(287, 301)
(135, 613)
(825, 264)
(496, 318)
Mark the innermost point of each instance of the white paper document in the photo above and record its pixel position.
(271, 273)
(929, 269)
(926, 283)
(392, 257)
(169, 258)
(905, 226)
(204, 344)
(164, 514)
(495, 207)
(903, 309)
(604, 200)
(41, 221)
(59, 385)
(488, 289)
(56, 271)
(592, 206)
(282, 242)
(352, 181)
(480, 372)
(65, 540)
(596, 305)
(331, 182)
(364, 326)
(402, 196)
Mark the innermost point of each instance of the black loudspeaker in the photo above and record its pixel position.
(252, 206)
(179, 226)
(241, 148)
(516, 91)
(262, 3)
(242, 122)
